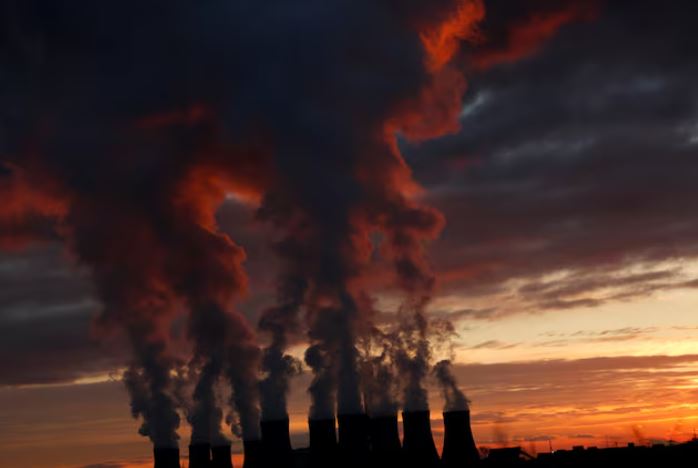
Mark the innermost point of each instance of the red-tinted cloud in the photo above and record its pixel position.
(524, 36)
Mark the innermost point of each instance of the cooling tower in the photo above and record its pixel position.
(385, 440)
(200, 455)
(221, 457)
(276, 443)
(459, 444)
(253, 454)
(323, 443)
(353, 439)
(166, 457)
(418, 446)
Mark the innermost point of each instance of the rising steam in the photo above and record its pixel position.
(454, 398)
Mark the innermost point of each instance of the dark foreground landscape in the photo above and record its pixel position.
(375, 443)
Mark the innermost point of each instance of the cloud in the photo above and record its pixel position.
(46, 309)
(575, 164)
(493, 344)
(539, 438)
(597, 336)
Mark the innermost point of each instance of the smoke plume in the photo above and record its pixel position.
(379, 375)
(339, 174)
(139, 118)
(131, 171)
(454, 398)
(280, 322)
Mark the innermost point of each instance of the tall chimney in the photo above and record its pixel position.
(221, 457)
(200, 455)
(418, 443)
(276, 442)
(353, 439)
(253, 454)
(385, 440)
(459, 444)
(166, 457)
(323, 442)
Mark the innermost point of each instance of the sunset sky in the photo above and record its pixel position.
(567, 178)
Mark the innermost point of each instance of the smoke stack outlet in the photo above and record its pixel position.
(253, 454)
(459, 444)
(200, 455)
(166, 457)
(221, 457)
(385, 440)
(418, 445)
(353, 438)
(276, 443)
(323, 442)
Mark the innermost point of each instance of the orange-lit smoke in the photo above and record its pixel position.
(525, 37)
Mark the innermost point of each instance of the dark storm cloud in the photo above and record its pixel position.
(46, 310)
(579, 157)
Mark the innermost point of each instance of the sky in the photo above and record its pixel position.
(546, 178)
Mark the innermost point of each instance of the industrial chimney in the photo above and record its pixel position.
(323, 442)
(200, 455)
(221, 457)
(418, 446)
(166, 457)
(385, 440)
(276, 443)
(353, 439)
(253, 454)
(459, 444)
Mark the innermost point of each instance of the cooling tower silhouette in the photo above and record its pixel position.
(323, 443)
(200, 455)
(166, 457)
(353, 439)
(276, 443)
(253, 454)
(459, 450)
(221, 457)
(418, 446)
(385, 441)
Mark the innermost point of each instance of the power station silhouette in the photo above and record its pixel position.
(360, 441)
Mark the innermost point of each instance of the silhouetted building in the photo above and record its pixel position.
(418, 443)
(253, 454)
(459, 449)
(166, 457)
(276, 443)
(323, 443)
(199, 455)
(353, 439)
(508, 457)
(220, 457)
(375, 443)
(631, 456)
(385, 441)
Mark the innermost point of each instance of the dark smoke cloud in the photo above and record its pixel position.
(280, 322)
(340, 177)
(124, 149)
(139, 119)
